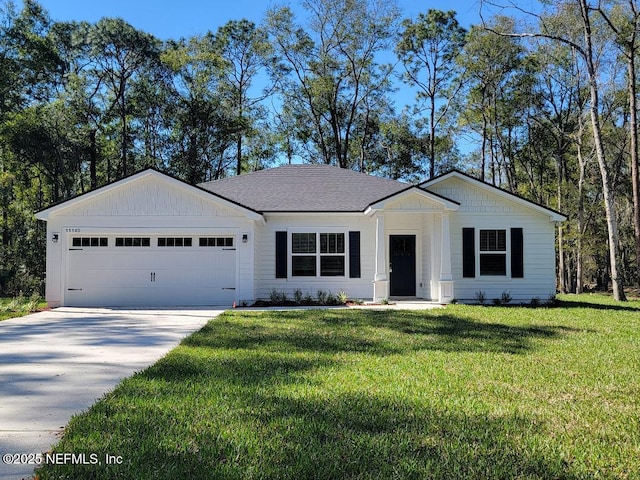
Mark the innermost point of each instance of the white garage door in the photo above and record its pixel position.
(121, 270)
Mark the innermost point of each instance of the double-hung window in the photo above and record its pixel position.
(313, 252)
(332, 254)
(303, 254)
(493, 252)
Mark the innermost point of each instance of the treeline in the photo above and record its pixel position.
(541, 104)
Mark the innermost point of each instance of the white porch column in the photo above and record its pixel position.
(380, 281)
(446, 277)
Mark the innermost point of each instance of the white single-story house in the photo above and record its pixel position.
(153, 240)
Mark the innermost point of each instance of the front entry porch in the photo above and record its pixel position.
(413, 248)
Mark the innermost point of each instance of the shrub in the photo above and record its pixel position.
(32, 304)
(535, 302)
(331, 299)
(277, 297)
(342, 297)
(480, 297)
(551, 300)
(322, 297)
(506, 298)
(297, 296)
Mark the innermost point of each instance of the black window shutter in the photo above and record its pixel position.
(517, 253)
(468, 253)
(354, 254)
(281, 254)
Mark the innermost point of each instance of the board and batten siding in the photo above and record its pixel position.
(481, 209)
(265, 248)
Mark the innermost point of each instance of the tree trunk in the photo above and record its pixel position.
(562, 271)
(5, 210)
(239, 155)
(484, 148)
(635, 180)
(93, 159)
(579, 257)
(123, 119)
(607, 190)
(239, 139)
(432, 137)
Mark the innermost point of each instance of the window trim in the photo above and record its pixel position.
(318, 255)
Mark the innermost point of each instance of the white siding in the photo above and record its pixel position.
(482, 209)
(266, 280)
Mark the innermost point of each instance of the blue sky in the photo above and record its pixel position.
(182, 18)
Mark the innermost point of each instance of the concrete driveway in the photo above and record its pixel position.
(57, 363)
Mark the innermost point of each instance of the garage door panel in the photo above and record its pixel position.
(109, 278)
(154, 276)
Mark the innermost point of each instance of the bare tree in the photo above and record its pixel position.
(625, 22)
(581, 11)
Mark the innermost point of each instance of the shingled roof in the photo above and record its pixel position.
(305, 188)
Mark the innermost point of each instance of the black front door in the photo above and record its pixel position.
(402, 255)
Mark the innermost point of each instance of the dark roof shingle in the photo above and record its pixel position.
(305, 188)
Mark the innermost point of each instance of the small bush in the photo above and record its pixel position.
(506, 298)
(497, 302)
(535, 302)
(307, 300)
(342, 297)
(32, 304)
(297, 296)
(480, 297)
(321, 295)
(277, 297)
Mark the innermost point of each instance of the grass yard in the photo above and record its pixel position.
(461, 392)
(20, 306)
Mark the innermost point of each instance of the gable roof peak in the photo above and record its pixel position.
(554, 215)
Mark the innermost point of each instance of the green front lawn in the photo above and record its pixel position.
(461, 392)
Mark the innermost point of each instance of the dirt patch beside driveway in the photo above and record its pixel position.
(56, 363)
